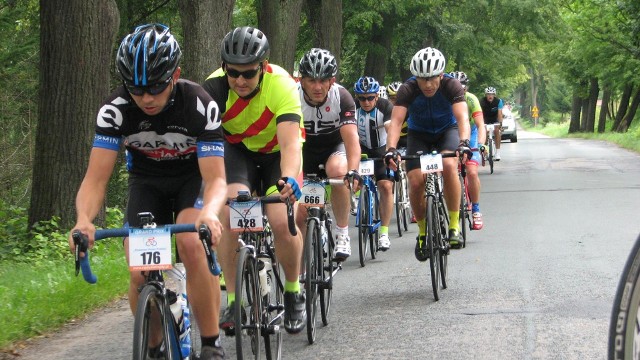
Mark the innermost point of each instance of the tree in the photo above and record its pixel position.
(325, 20)
(76, 38)
(280, 20)
(204, 24)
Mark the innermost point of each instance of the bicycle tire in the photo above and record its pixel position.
(397, 195)
(405, 201)
(443, 243)
(364, 219)
(151, 303)
(624, 325)
(374, 235)
(463, 211)
(326, 292)
(311, 240)
(433, 231)
(273, 302)
(248, 302)
(491, 152)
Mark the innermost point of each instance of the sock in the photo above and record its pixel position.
(454, 220)
(292, 286)
(422, 227)
(210, 341)
(342, 230)
(384, 230)
(231, 298)
(475, 207)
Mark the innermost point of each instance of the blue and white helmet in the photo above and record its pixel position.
(366, 85)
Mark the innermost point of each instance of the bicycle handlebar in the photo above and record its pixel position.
(82, 242)
(272, 199)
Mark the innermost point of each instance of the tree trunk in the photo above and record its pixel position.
(604, 109)
(592, 101)
(76, 43)
(204, 23)
(576, 103)
(628, 117)
(325, 18)
(280, 21)
(585, 113)
(379, 48)
(624, 105)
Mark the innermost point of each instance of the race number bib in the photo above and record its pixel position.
(312, 194)
(431, 163)
(245, 216)
(149, 249)
(366, 167)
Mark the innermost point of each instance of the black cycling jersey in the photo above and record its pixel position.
(490, 109)
(166, 144)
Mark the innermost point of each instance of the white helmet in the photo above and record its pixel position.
(427, 62)
(382, 92)
(490, 90)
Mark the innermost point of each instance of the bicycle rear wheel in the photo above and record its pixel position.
(273, 303)
(364, 222)
(624, 328)
(153, 312)
(491, 152)
(248, 308)
(443, 243)
(312, 239)
(433, 233)
(374, 235)
(405, 201)
(464, 219)
(326, 289)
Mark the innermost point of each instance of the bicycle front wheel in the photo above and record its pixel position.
(248, 307)
(153, 315)
(311, 241)
(433, 233)
(464, 220)
(273, 303)
(374, 235)
(491, 152)
(364, 218)
(326, 287)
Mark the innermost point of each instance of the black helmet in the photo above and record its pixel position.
(148, 56)
(244, 45)
(318, 64)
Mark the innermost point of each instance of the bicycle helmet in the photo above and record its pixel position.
(427, 62)
(490, 90)
(461, 76)
(244, 45)
(382, 92)
(366, 85)
(392, 89)
(318, 64)
(148, 56)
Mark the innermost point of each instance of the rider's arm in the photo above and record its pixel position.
(500, 105)
(288, 133)
(214, 195)
(349, 129)
(482, 130)
(461, 113)
(397, 118)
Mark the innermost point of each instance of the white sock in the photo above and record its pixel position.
(342, 231)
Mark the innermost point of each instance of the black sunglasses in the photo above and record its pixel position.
(367, 98)
(154, 89)
(247, 74)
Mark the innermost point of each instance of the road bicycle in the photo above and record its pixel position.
(367, 210)
(401, 200)
(491, 145)
(624, 327)
(153, 312)
(259, 284)
(319, 267)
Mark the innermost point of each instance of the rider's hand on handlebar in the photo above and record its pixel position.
(87, 229)
(289, 188)
(392, 158)
(210, 219)
(464, 151)
(352, 179)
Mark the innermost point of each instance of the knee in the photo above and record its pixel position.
(190, 249)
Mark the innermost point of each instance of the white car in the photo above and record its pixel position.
(509, 130)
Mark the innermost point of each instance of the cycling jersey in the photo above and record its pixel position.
(252, 122)
(430, 114)
(490, 109)
(474, 111)
(322, 122)
(371, 130)
(166, 144)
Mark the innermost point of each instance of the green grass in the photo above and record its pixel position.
(38, 299)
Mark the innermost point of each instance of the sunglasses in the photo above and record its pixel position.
(247, 74)
(367, 98)
(154, 89)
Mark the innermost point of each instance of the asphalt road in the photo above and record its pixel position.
(536, 283)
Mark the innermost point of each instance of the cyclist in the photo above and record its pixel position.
(392, 91)
(171, 131)
(331, 136)
(478, 136)
(438, 116)
(263, 132)
(382, 93)
(373, 116)
(492, 112)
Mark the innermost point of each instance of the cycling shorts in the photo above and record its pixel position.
(425, 142)
(257, 171)
(490, 121)
(475, 159)
(164, 197)
(313, 157)
(380, 169)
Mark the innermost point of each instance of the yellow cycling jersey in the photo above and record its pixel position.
(252, 122)
(475, 109)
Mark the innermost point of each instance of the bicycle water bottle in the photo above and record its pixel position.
(264, 270)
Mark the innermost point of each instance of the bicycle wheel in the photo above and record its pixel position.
(464, 220)
(274, 312)
(364, 222)
(326, 287)
(153, 312)
(397, 196)
(374, 235)
(443, 243)
(624, 327)
(491, 152)
(433, 233)
(405, 201)
(248, 308)
(312, 239)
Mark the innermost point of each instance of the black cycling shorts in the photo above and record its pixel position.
(312, 157)
(255, 170)
(449, 139)
(164, 197)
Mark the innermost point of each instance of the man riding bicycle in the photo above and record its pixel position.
(492, 112)
(331, 136)
(438, 118)
(373, 115)
(171, 131)
(263, 132)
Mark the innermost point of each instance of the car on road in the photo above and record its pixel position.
(509, 130)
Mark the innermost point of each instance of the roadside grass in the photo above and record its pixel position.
(37, 299)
